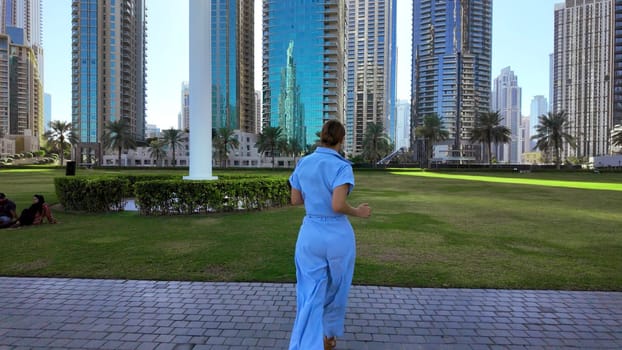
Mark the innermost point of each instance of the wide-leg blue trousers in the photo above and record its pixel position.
(325, 254)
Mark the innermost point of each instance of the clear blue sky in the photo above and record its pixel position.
(522, 38)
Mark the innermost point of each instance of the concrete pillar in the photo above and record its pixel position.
(200, 45)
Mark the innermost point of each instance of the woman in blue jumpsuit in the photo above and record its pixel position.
(325, 249)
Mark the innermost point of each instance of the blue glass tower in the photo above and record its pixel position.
(451, 68)
(85, 63)
(108, 70)
(233, 92)
(303, 60)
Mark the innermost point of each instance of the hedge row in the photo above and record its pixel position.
(170, 195)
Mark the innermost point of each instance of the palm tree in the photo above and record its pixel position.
(431, 131)
(156, 150)
(294, 148)
(376, 144)
(551, 134)
(616, 137)
(173, 138)
(271, 140)
(224, 141)
(117, 134)
(60, 137)
(488, 130)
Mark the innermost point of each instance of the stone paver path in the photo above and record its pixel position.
(53, 313)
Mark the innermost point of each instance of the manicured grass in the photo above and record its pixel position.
(587, 184)
(424, 232)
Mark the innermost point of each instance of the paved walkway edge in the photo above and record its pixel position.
(57, 313)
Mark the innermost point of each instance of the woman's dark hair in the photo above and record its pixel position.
(38, 207)
(332, 133)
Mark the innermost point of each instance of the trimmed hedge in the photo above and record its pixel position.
(93, 194)
(171, 195)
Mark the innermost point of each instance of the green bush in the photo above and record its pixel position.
(92, 194)
(170, 195)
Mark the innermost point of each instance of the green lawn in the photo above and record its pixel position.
(425, 231)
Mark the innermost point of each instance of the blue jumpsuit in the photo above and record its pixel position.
(325, 250)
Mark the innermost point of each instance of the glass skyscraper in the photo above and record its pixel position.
(233, 91)
(451, 59)
(371, 61)
(108, 70)
(303, 65)
(538, 107)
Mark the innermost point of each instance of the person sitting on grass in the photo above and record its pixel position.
(35, 214)
(7, 211)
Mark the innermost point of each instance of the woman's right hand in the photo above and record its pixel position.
(363, 210)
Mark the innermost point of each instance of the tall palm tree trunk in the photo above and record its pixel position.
(62, 150)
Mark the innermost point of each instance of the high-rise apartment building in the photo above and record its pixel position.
(581, 77)
(233, 67)
(21, 19)
(402, 124)
(616, 63)
(47, 111)
(303, 65)
(25, 14)
(506, 98)
(451, 58)
(525, 144)
(258, 122)
(184, 115)
(25, 93)
(538, 107)
(4, 84)
(551, 81)
(21, 72)
(108, 70)
(371, 62)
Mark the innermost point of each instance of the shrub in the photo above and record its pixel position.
(92, 194)
(170, 195)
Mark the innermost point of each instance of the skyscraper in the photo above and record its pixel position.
(506, 98)
(371, 62)
(21, 19)
(184, 116)
(402, 124)
(539, 106)
(581, 78)
(24, 14)
(303, 65)
(47, 111)
(258, 123)
(109, 70)
(616, 63)
(21, 72)
(451, 58)
(233, 91)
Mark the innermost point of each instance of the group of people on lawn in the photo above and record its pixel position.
(35, 214)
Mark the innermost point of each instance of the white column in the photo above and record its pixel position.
(200, 143)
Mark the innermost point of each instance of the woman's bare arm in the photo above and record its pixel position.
(296, 197)
(340, 205)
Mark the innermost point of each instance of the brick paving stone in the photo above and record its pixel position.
(48, 313)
